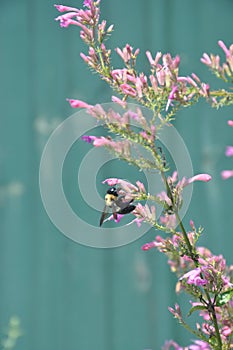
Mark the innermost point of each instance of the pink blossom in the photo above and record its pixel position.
(226, 331)
(153, 62)
(171, 97)
(66, 19)
(78, 103)
(125, 185)
(117, 220)
(223, 46)
(62, 8)
(193, 277)
(226, 174)
(169, 220)
(87, 3)
(230, 123)
(148, 246)
(199, 345)
(206, 60)
(229, 151)
(169, 343)
(141, 186)
(119, 101)
(128, 90)
(88, 138)
(199, 177)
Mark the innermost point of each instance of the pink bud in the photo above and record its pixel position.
(226, 174)
(148, 246)
(223, 46)
(191, 223)
(199, 177)
(62, 8)
(78, 103)
(229, 151)
(119, 101)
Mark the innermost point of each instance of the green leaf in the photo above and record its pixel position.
(196, 308)
(224, 297)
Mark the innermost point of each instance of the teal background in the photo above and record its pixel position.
(69, 296)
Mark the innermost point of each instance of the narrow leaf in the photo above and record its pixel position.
(196, 308)
(224, 297)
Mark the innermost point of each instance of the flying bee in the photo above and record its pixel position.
(117, 204)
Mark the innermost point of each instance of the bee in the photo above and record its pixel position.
(117, 204)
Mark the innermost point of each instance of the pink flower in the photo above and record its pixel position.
(229, 151)
(171, 97)
(206, 60)
(128, 90)
(224, 48)
(119, 101)
(193, 277)
(153, 62)
(169, 343)
(199, 345)
(199, 177)
(125, 185)
(62, 8)
(66, 19)
(78, 103)
(230, 122)
(226, 174)
(87, 3)
(88, 139)
(148, 246)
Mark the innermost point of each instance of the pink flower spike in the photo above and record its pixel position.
(230, 123)
(229, 151)
(78, 103)
(226, 174)
(199, 177)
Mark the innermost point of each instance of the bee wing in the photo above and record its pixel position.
(114, 209)
(104, 215)
(121, 204)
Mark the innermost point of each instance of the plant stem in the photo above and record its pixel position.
(194, 258)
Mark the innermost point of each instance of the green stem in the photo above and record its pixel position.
(194, 258)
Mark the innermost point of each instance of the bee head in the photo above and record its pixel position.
(112, 191)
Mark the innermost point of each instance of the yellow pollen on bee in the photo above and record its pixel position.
(109, 198)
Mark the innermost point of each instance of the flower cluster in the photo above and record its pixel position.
(163, 89)
(135, 131)
(224, 71)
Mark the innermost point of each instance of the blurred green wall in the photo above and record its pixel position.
(69, 296)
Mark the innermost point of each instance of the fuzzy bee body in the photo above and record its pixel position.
(117, 204)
